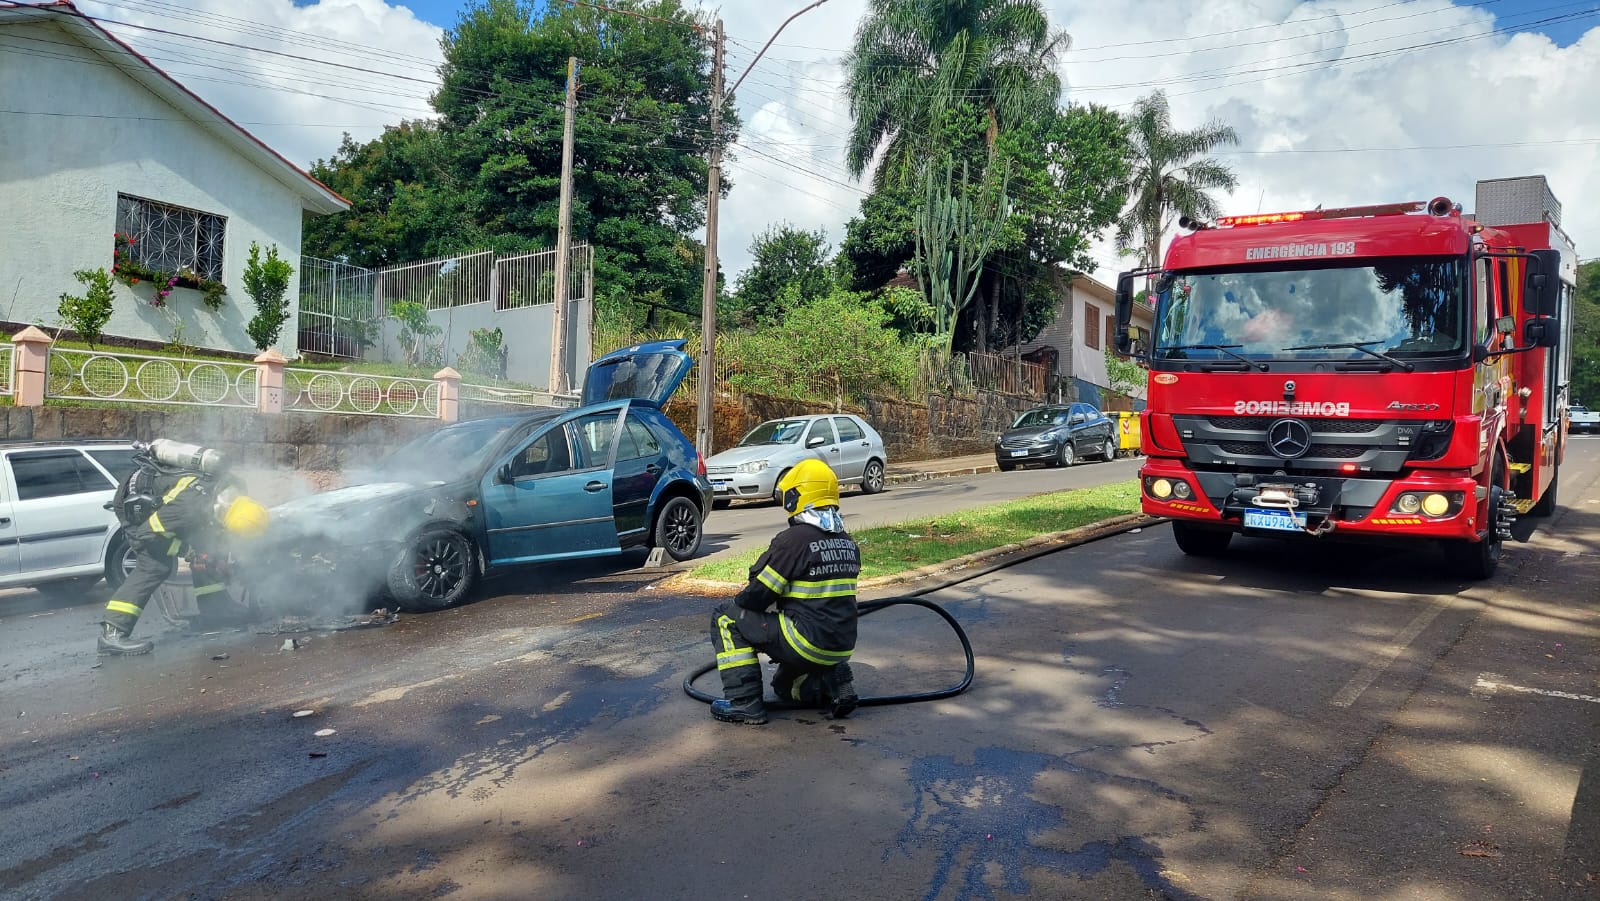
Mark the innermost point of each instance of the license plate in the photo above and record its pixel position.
(1274, 520)
(721, 486)
(1020, 453)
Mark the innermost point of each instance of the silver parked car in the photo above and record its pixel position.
(56, 534)
(751, 469)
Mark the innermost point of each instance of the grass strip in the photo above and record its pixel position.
(891, 549)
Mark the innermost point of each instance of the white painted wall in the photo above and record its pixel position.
(527, 331)
(1068, 334)
(60, 175)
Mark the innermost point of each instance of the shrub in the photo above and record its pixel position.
(485, 353)
(267, 281)
(88, 314)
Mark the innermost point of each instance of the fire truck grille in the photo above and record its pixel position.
(1318, 426)
(1317, 451)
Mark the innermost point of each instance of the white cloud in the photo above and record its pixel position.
(1364, 77)
(298, 106)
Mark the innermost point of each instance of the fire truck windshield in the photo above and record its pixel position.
(1404, 308)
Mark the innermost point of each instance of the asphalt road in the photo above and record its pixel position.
(1289, 721)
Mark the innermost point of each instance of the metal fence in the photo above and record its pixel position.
(337, 308)
(437, 284)
(515, 397)
(323, 391)
(132, 378)
(8, 357)
(1009, 375)
(530, 279)
(342, 306)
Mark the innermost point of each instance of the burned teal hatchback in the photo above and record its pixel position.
(475, 497)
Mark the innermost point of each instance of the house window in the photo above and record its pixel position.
(1091, 326)
(172, 238)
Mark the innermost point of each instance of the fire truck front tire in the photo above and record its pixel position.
(1478, 560)
(1199, 541)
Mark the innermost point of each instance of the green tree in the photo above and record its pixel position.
(267, 283)
(406, 200)
(784, 257)
(1168, 178)
(914, 61)
(1586, 337)
(488, 171)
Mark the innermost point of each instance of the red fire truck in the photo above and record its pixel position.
(1396, 372)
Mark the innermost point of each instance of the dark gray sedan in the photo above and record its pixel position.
(1056, 436)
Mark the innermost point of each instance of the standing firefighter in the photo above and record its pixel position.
(177, 498)
(808, 574)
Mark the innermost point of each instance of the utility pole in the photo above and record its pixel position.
(558, 340)
(708, 290)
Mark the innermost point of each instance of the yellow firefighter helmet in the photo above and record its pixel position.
(811, 483)
(246, 518)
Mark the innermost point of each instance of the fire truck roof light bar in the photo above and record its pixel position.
(1349, 212)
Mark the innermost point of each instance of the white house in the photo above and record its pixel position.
(96, 140)
(1085, 325)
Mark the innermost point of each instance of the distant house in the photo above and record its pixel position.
(96, 140)
(1085, 325)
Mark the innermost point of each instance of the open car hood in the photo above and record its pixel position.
(344, 501)
(648, 372)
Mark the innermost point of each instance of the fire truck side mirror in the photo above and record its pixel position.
(1542, 292)
(1540, 333)
(1124, 343)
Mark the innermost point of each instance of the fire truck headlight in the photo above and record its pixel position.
(1407, 503)
(1161, 488)
(1181, 490)
(1436, 505)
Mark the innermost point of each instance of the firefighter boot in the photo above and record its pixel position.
(842, 689)
(752, 712)
(114, 641)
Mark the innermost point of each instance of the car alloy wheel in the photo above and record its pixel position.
(436, 571)
(678, 528)
(872, 479)
(1066, 456)
(1110, 450)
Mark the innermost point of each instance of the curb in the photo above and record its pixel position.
(904, 477)
(679, 581)
(1069, 538)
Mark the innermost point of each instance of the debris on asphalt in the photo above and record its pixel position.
(287, 624)
(219, 656)
(324, 733)
(1481, 848)
(289, 644)
(318, 754)
(300, 713)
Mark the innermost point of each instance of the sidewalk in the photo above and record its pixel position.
(923, 470)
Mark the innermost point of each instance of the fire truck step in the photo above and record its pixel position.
(1519, 467)
(1523, 506)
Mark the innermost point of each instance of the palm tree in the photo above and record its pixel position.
(1167, 180)
(915, 61)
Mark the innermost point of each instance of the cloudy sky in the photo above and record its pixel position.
(1336, 103)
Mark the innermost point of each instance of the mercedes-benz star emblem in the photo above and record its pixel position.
(1289, 438)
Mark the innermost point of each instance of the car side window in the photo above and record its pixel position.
(848, 430)
(118, 462)
(55, 474)
(819, 429)
(637, 441)
(544, 455)
(596, 433)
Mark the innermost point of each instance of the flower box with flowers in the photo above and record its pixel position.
(132, 272)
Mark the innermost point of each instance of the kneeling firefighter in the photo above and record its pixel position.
(799, 609)
(179, 497)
